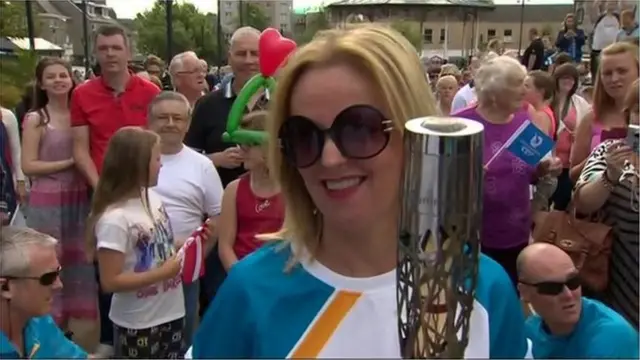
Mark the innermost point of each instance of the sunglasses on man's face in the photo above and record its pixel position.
(359, 132)
(46, 279)
(553, 288)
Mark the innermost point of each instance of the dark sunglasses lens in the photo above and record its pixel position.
(49, 278)
(360, 132)
(574, 282)
(301, 141)
(550, 288)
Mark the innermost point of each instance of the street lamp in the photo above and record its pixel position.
(169, 26)
(30, 30)
(522, 5)
(85, 34)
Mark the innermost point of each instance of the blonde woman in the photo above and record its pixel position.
(446, 88)
(326, 287)
(618, 69)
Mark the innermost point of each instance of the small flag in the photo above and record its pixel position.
(530, 144)
(192, 256)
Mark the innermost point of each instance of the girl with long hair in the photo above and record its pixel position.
(569, 109)
(58, 202)
(617, 71)
(251, 204)
(137, 260)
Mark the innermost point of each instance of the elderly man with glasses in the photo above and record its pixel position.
(29, 276)
(567, 325)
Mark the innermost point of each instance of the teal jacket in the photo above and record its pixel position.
(43, 340)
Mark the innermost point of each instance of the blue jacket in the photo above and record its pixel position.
(572, 46)
(42, 340)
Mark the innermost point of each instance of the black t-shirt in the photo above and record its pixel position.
(208, 123)
(536, 48)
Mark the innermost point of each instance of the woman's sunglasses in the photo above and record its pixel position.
(553, 288)
(46, 279)
(359, 132)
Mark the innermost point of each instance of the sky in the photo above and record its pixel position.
(129, 8)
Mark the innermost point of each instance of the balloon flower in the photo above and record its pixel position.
(274, 50)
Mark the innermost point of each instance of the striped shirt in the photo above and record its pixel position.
(620, 211)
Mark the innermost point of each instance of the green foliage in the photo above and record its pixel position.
(192, 30)
(15, 73)
(252, 15)
(411, 31)
(315, 21)
(13, 18)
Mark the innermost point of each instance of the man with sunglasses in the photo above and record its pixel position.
(29, 277)
(567, 325)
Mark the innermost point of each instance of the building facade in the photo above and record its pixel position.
(280, 13)
(457, 31)
(61, 23)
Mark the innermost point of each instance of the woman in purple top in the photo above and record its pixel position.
(506, 216)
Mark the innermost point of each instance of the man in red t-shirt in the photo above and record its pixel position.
(101, 106)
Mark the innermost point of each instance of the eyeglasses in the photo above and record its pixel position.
(359, 132)
(46, 279)
(553, 288)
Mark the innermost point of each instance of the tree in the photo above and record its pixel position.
(15, 72)
(411, 31)
(253, 15)
(315, 21)
(13, 19)
(192, 30)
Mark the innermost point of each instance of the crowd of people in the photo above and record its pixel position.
(113, 176)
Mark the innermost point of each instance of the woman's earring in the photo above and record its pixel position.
(315, 212)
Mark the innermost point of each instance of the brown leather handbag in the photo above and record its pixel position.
(587, 241)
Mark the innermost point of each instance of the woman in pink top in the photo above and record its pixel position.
(568, 108)
(618, 70)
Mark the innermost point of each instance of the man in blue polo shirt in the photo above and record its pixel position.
(567, 325)
(29, 277)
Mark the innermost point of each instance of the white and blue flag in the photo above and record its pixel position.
(529, 143)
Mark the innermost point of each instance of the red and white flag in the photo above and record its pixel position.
(192, 256)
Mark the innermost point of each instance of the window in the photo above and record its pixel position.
(229, 4)
(508, 35)
(105, 12)
(443, 35)
(491, 33)
(228, 14)
(90, 10)
(428, 36)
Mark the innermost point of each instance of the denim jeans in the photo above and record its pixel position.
(191, 293)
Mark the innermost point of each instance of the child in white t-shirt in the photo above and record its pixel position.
(135, 250)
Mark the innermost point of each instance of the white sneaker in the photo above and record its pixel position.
(104, 351)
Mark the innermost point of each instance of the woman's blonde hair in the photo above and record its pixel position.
(450, 69)
(602, 102)
(390, 62)
(255, 120)
(125, 170)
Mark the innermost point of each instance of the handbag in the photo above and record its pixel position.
(586, 241)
